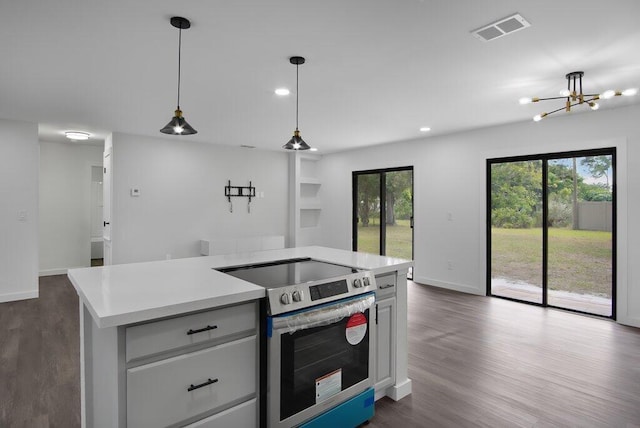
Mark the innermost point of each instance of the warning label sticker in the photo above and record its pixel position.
(328, 385)
(356, 328)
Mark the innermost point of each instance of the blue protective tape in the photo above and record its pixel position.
(351, 413)
(269, 326)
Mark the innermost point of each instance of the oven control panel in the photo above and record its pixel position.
(301, 296)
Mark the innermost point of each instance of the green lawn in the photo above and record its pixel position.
(579, 260)
(398, 239)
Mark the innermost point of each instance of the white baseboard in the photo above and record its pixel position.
(449, 285)
(631, 322)
(11, 297)
(399, 391)
(50, 272)
(59, 271)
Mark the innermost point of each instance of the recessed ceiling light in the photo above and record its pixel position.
(77, 135)
(313, 149)
(283, 92)
(425, 129)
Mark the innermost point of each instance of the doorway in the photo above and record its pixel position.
(551, 230)
(97, 251)
(383, 212)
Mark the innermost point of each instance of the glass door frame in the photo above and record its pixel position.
(383, 206)
(545, 158)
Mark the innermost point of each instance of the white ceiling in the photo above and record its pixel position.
(376, 71)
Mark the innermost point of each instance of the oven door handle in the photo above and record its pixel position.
(325, 315)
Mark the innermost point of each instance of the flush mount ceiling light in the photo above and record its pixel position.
(177, 125)
(296, 142)
(283, 92)
(574, 96)
(77, 135)
(425, 129)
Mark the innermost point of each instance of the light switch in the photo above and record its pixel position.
(22, 216)
(135, 191)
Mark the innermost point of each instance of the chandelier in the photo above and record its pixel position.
(574, 96)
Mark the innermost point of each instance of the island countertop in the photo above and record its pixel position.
(130, 293)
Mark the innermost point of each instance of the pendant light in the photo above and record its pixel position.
(296, 142)
(177, 125)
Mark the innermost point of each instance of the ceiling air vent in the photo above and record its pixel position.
(501, 28)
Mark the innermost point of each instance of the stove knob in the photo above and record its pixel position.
(366, 281)
(284, 299)
(357, 283)
(297, 296)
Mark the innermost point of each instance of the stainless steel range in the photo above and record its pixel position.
(318, 333)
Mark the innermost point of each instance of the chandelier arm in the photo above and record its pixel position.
(572, 105)
(551, 98)
(555, 111)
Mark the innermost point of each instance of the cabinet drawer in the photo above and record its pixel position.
(158, 394)
(161, 336)
(243, 415)
(386, 284)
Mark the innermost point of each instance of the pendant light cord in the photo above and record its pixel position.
(297, 91)
(179, 51)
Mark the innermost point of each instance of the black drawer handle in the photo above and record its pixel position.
(208, 382)
(382, 287)
(200, 330)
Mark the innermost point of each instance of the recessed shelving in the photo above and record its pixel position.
(306, 203)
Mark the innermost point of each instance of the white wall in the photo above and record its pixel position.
(65, 205)
(182, 195)
(449, 177)
(18, 210)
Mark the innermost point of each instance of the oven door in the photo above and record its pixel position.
(318, 358)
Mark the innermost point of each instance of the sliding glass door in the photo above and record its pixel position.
(551, 230)
(383, 212)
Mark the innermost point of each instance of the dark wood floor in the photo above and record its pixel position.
(474, 361)
(40, 358)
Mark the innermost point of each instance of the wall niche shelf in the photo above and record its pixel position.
(306, 200)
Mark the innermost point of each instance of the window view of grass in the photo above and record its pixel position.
(579, 260)
(398, 238)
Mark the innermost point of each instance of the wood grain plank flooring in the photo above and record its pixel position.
(483, 362)
(474, 361)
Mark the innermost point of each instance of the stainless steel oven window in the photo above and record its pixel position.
(308, 355)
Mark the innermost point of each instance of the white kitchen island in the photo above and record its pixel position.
(134, 349)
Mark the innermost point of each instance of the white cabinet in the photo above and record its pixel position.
(386, 316)
(176, 389)
(200, 368)
(385, 343)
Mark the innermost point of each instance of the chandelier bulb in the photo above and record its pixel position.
(608, 94)
(594, 106)
(630, 92)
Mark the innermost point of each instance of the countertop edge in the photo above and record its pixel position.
(177, 309)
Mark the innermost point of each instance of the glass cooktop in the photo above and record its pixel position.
(288, 272)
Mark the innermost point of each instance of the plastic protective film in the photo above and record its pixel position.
(323, 316)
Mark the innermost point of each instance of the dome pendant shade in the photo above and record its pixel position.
(178, 126)
(296, 142)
